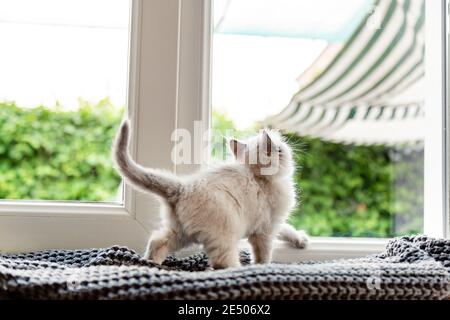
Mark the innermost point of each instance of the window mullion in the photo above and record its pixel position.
(436, 187)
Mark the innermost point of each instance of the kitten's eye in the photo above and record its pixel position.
(279, 149)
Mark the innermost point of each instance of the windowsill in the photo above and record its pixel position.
(43, 208)
(320, 249)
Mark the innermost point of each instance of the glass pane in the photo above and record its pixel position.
(62, 95)
(345, 90)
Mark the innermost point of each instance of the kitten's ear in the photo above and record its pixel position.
(237, 147)
(266, 136)
(267, 142)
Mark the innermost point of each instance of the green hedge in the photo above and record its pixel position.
(53, 154)
(343, 190)
(371, 191)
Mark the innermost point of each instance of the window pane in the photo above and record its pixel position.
(62, 94)
(347, 92)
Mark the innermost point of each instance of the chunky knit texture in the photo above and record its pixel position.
(410, 268)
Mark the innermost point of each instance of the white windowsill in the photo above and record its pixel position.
(320, 249)
(329, 249)
(23, 208)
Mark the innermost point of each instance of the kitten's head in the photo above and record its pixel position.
(266, 154)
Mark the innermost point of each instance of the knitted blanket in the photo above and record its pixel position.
(409, 268)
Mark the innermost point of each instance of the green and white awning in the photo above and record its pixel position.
(370, 90)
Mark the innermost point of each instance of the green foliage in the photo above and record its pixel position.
(59, 155)
(344, 190)
(357, 190)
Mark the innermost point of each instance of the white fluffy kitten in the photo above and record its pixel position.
(250, 198)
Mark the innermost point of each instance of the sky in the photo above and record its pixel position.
(62, 50)
(254, 77)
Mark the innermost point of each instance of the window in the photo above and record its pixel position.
(347, 91)
(63, 92)
(32, 225)
(172, 61)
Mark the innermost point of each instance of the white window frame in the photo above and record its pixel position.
(170, 87)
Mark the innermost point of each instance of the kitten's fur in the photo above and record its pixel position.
(219, 206)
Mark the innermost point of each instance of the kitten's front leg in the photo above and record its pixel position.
(262, 247)
(223, 253)
(160, 244)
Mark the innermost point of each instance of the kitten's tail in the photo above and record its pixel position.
(159, 182)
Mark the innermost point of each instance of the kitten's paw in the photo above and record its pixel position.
(301, 241)
(156, 253)
(154, 257)
(224, 260)
(223, 265)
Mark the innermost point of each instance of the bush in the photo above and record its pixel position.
(372, 191)
(342, 190)
(59, 155)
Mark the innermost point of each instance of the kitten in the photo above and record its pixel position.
(250, 197)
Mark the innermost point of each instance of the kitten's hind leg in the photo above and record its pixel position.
(262, 247)
(161, 243)
(223, 254)
(297, 238)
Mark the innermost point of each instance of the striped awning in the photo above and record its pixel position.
(370, 90)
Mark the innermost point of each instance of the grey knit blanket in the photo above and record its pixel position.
(410, 268)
